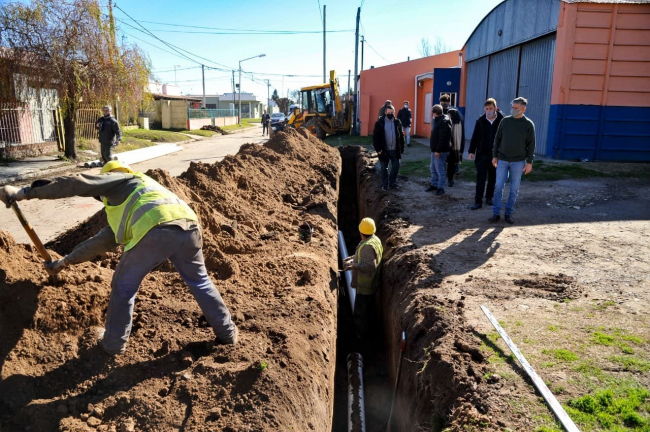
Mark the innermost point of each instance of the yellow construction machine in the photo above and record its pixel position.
(320, 110)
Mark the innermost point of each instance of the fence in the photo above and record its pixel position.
(22, 124)
(210, 113)
(85, 120)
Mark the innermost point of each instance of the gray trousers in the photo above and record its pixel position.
(183, 248)
(107, 152)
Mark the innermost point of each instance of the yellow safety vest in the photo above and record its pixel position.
(369, 283)
(148, 206)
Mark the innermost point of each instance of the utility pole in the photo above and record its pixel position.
(239, 109)
(268, 95)
(348, 85)
(203, 79)
(363, 39)
(324, 45)
(233, 90)
(176, 80)
(356, 70)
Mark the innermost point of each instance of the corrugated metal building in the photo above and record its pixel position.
(584, 67)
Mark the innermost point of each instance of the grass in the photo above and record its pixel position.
(632, 364)
(245, 123)
(562, 354)
(617, 339)
(350, 140)
(613, 408)
(157, 136)
(198, 132)
(262, 366)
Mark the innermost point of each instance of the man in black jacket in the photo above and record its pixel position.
(266, 119)
(457, 138)
(388, 141)
(405, 115)
(110, 134)
(440, 144)
(480, 149)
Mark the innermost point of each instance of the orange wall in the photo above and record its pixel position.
(602, 55)
(463, 81)
(397, 83)
(423, 129)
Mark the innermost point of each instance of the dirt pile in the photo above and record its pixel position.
(281, 292)
(214, 129)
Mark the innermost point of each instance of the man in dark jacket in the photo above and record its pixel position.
(388, 141)
(440, 144)
(405, 115)
(457, 138)
(266, 119)
(382, 110)
(480, 149)
(110, 134)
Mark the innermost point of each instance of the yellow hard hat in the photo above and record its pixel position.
(116, 166)
(367, 226)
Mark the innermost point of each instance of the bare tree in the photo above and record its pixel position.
(69, 46)
(439, 46)
(425, 47)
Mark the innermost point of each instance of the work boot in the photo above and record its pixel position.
(509, 219)
(384, 189)
(440, 192)
(231, 341)
(494, 218)
(431, 188)
(476, 206)
(451, 183)
(489, 201)
(395, 186)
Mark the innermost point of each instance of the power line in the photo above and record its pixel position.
(320, 11)
(254, 33)
(370, 46)
(177, 69)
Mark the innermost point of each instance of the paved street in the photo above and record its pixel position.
(49, 218)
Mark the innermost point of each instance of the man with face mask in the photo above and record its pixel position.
(480, 149)
(110, 134)
(388, 141)
(457, 138)
(405, 115)
(513, 153)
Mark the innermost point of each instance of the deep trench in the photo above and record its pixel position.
(377, 385)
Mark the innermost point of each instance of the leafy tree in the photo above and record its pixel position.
(69, 46)
(283, 103)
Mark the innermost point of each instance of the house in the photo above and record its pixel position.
(415, 81)
(251, 107)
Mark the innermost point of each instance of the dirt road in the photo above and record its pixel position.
(52, 218)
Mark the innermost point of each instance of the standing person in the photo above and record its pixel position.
(265, 123)
(405, 115)
(366, 277)
(513, 154)
(480, 149)
(382, 110)
(457, 138)
(388, 141)
(154, 225)
(440, 144)
(110, 134)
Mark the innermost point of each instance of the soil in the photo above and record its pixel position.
(575, 262)
(280, 290)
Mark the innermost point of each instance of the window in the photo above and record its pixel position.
(211, 106)
(452, 96)
(427, 108)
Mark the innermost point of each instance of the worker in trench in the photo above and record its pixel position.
(365, 265)
(154, 225)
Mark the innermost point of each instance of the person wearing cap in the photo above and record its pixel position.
(153, 225)
(365, 265)
(382, 110)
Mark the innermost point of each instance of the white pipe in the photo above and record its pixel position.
(343, 251)
(356, 408)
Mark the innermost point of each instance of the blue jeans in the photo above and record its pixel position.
(183, 248)
(514, 170)
(438, 169)
(387, 179)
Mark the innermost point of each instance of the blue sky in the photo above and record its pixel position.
(393, 30)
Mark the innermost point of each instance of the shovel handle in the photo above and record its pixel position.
(31, 233)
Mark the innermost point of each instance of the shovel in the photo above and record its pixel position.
(32, 235)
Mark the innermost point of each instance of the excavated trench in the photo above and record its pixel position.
(440, 384)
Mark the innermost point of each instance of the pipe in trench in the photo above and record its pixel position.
(356, 408)
(343, 251)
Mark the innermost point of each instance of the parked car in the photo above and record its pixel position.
(278, 117)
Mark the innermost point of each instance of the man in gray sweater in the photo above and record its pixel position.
(513, 153)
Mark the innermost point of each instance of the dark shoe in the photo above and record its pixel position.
(232, 340)
(431, 188)
(384, 189)
(476, 206)
(494, 218)
(451, 183)
(440, 192)
(408, 145)
(395, 186)
(489, 201)
(509, 219)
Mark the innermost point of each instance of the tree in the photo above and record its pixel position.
(69, 46)
(440, 46)
(282, 103)
(425, 47)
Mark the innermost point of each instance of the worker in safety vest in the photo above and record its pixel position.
(366, 276)
(154, 225)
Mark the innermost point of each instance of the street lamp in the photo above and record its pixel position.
(175, 80)
(240, 61)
